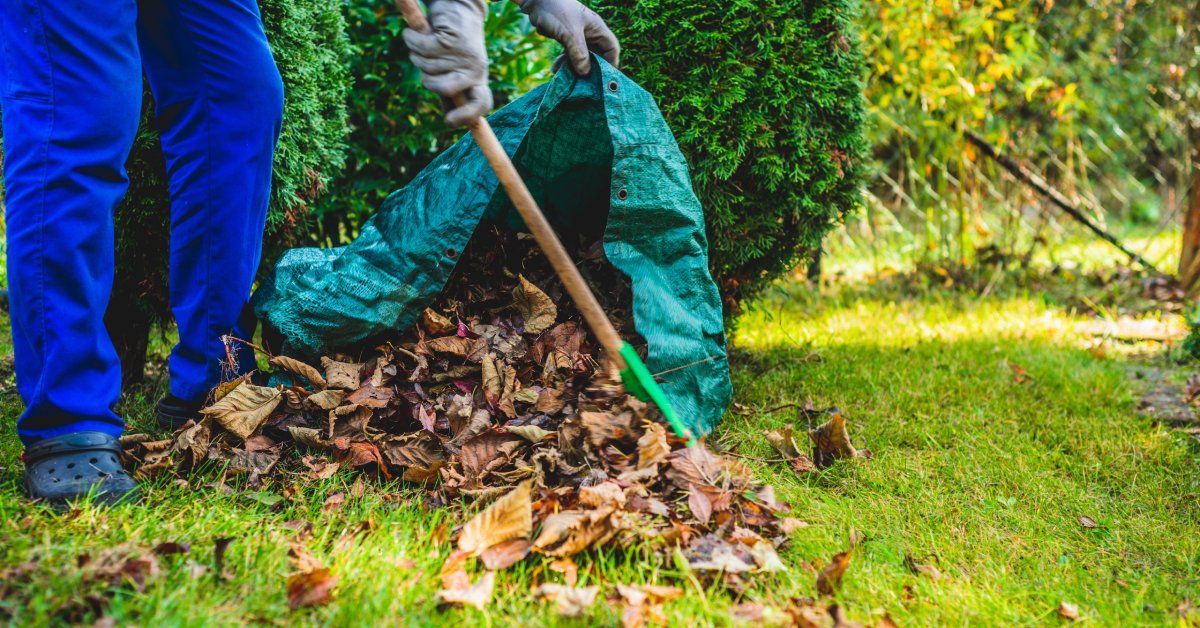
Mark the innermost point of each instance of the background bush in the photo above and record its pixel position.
(764, 97)
(309, 43)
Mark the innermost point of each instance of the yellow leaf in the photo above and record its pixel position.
(507, 518)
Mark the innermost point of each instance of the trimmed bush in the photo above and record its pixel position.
(764, 97)
(309, 43)
(396, 124)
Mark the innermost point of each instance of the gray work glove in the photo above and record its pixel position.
(576, 27)
(453, 59)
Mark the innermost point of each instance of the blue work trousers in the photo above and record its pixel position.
(70, 97)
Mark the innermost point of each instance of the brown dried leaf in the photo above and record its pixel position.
(567, 567)
(371, 396)
(362, 454)
(605, 427)
(506, 554)
(652, 446)
(478, 453)
(344, 375)
(436, 324)
(750, 613)
(830, 578)
(789, 525)
(419, 453)
(310, 588)
(534, 306)
(603, 495)
(466, 594)
(1068, 611)
(254, 463)
(784, 441)
(193, 440)
(223, 388)
(456, 345)
(244, 409)
(713, 553)
(693, 466)
(571, 601)
(325, 400)
(925, 569)
(307, 436)
(319, 467)
(831, 440)
(333, 502)
(642, 594)
(493, 382)
(549, 401)
(508, 518)
(700, 505)
(299, 369)
(572, 531)
(119, 566)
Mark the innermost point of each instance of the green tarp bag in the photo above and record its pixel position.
(588, 148)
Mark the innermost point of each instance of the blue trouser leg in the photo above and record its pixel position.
(70, 92)
(69, 96)
(219, 104)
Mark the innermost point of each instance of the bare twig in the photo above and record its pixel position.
(1035, 181)
(226, 338)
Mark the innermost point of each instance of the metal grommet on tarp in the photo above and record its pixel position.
(622, 194)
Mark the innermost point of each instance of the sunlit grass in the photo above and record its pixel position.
(855, 254)
(974, 472)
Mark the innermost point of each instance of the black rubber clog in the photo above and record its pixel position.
(64, 468)
(172, 412)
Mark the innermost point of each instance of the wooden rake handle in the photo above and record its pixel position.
(543, 233)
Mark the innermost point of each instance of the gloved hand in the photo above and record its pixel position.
(576, 27)
(453, 59)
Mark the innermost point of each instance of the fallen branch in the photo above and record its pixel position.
(1035, 181)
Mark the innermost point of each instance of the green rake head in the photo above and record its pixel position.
(639, 381)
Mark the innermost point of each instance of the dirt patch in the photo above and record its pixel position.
(1164, 399)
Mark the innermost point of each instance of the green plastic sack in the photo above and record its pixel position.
(588, 148)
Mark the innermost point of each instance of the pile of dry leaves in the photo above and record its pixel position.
(499, 394)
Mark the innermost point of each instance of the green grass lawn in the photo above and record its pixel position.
(973, 471)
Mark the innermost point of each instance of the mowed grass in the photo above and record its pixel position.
(973, 471)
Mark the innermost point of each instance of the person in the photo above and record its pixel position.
(70, 94)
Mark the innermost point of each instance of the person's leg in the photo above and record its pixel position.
(219, 106)
(70, 95)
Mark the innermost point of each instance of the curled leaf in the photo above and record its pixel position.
(534, 306)
(299, 369)
(831, 440)
(830, 578)
(244, 409)
(466, 594)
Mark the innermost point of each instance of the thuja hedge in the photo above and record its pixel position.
(396, 124)
(764, 97)
(309, 43)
